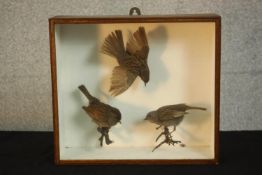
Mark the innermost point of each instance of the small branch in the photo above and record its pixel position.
(168, 139)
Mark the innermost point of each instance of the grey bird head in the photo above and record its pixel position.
(152, 117)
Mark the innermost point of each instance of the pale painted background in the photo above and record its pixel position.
(25, 93)
(182, 63)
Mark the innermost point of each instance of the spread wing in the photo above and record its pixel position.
(121, 80)
(137, 44)
(114, 45)
(168, 113)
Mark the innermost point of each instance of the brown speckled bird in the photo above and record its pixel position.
(170, 115)
(104, 115)
(132, 60)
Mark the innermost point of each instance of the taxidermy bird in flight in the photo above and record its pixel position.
(104, 115)
(170, 115)
(132, 60)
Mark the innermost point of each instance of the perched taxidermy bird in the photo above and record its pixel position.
(104, 115)
(132, 60)
(170, 115)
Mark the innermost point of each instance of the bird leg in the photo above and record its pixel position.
(102, 136)
(168, 139)
(104, 133)
(108, 141)
(173, 130)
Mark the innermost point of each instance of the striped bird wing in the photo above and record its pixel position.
(137, 44)
(121, 80)
(97, 114)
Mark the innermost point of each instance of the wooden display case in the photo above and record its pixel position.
(184, 62)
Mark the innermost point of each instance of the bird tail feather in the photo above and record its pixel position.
(83, 89)
(198, 108)
(137, 41)
(140, 36)
(114, 45)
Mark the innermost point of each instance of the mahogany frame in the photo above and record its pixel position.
(135, 19)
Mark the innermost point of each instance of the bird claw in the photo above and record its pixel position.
(173, 142)
(108, 141)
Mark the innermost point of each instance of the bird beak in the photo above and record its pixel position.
(145, 84)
